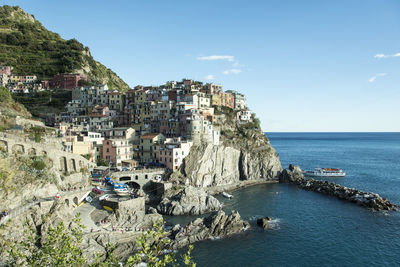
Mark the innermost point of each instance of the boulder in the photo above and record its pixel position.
(264, 222)
(216, 225)
(293, 175)
(190, 200)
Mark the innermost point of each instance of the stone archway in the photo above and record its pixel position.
(133, 185)
(76, 201)
(67, 202)
(63, 164)
(72, 165)
(3, 146)
(18, 149)
(32, 151)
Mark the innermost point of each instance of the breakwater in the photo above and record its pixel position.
(365, 199)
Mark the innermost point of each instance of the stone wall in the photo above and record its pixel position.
(61, 160)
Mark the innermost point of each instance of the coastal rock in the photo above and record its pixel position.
(264, 222)
(292, 175)
(217, 225)
(190, 200)
(214, 165)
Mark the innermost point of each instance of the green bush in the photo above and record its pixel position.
(5, 95)
(38, 164)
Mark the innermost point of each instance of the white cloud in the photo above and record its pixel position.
(379, 56)
(215, 57)
(235, 64)
(373, 78)
(232, 71)
(209, 77)
(386, 56)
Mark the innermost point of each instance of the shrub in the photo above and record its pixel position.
(5, 95)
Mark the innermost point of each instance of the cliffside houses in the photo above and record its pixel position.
(148, 125)
(25, 84)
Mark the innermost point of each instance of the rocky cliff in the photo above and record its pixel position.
(244, 153)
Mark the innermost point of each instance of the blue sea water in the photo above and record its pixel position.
(313, 229)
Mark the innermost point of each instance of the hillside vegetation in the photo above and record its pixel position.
(9, 109)
(32, 49)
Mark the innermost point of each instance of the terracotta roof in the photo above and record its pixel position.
(149, 136)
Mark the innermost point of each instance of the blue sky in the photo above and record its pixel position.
(303, 65)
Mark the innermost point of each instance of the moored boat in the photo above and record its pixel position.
(325, 172)
(122, 191)
(227, 195)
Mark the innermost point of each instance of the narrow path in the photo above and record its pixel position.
(86, 220)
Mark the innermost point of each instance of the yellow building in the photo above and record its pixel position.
(147, 147)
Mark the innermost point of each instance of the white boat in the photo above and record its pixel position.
(225, 194)
(122, 192)
(325, 172)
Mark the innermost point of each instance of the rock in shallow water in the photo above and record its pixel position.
(217, 225)
(264, 222)
(190, 200)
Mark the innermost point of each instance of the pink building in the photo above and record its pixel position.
(171, 154)
(5, 70)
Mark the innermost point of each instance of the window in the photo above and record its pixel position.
(145, 177)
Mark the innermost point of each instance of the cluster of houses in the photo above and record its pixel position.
(148, 125)
(25, 84)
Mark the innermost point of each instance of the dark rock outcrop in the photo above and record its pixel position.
(217, 225)
(292, 175)
(264, 222)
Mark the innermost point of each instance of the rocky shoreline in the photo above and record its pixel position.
(216, 225)
(366, 199)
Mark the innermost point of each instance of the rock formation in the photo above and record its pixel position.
(292, 175)
(264, 222)
(190, 200)
(216, 225)
(210, 165)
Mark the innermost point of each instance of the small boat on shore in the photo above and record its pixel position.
(122, 191)
(325, 172)
(225, 194)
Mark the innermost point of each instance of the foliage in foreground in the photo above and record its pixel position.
(61, 247)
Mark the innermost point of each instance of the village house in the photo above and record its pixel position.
(147, 146)
(116, 150)
(172, 153)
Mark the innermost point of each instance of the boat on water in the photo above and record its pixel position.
(225, 194)
(325, 172)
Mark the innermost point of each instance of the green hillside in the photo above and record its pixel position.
(31, 49)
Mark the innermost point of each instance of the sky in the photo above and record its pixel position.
(304, 66)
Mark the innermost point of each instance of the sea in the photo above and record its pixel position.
(311, 229)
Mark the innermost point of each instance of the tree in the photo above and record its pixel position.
(5, 95)
(151, 245)
(101, 162)
(59, 248)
